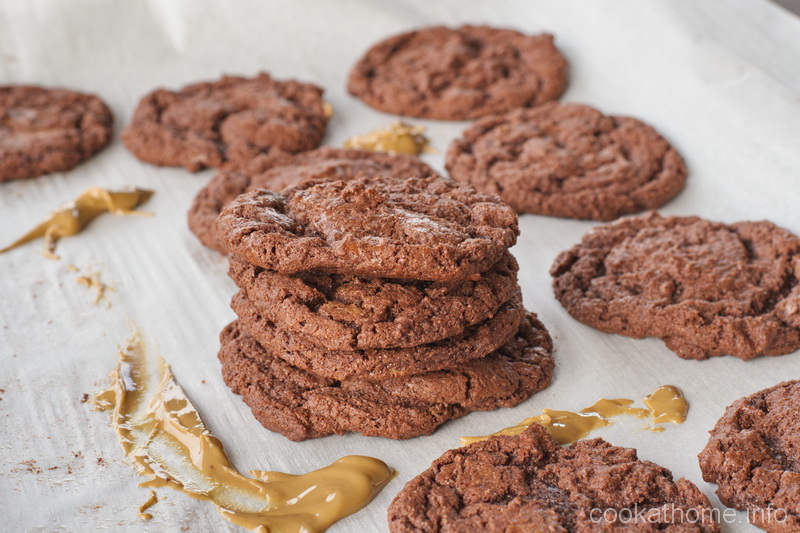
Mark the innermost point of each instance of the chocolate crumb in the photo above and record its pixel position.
(30, 466)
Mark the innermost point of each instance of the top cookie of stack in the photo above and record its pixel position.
(429, 229)
(380, 305)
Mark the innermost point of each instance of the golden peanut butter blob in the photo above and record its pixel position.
(665, 405)
(396, 138)
(70, 218)
(162, 434)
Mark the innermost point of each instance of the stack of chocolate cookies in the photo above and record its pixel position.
(379, 305)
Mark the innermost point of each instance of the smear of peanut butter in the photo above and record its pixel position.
(70, 218)
(162, 434)
(396, 138)
(665, 405)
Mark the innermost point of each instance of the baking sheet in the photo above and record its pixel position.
(719, 79)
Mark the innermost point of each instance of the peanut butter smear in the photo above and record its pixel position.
(162, 434)
(396, 138)
(665, 405)
(70, 218)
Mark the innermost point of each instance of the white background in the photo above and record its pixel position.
(719, 79)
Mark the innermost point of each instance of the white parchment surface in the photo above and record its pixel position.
(720, 79)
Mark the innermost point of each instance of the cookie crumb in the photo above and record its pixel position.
(30, 466)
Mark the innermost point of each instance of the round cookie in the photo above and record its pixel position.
(753, 455)
(49, 130)
(303, 351)
(459, 73)
(705, 288)
(528, 483)
(344, 312)
(301, 405)
(274, 172)
(430, 229)
(568, 160)
(231, 119)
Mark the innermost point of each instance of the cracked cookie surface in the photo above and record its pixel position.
(431, 229)
(49, 130)
(232, 119)
(528, 483)
(568, 160)
(704, 288)
(277, 171)
(301, 405)
(459, 73)
(753, 456)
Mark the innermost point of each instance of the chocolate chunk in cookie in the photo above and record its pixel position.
(705, 288)
(274, 172)
(528, 483)
(753, 456)
(301, 405)
(431, 229)
(568, 160)
(345, 312)
(232, 119)
(315, 355)
(49, 130)
(459, 73)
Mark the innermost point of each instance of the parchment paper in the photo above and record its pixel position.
(720, 79)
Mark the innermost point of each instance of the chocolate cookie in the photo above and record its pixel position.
(459, 74)
(281, 170)
(49, 130)
(705, 288)
(344, 312)
(302, 406)
(431, 229)
(568, 160)
(304, 351)
(754, 456)
(232, 119)
(528, 483)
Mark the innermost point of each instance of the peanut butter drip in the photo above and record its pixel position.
(163, 435)
(396, 138)
(151, 501)
(665, 405)
(72, 217)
